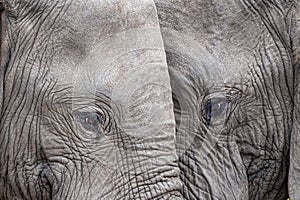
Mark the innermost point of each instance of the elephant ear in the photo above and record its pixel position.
(294, 170)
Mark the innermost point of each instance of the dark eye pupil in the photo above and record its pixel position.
(207, 114)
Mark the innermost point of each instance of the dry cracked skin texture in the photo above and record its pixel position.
(163, 99)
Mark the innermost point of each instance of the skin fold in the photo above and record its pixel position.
(294, 170)
(149, 99)
(87, 102)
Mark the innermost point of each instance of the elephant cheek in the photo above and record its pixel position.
(229, 173)
(214, 170)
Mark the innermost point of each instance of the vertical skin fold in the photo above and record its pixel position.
(294, 170)
(87, 109)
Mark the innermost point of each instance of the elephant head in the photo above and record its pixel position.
(149, 99)
(86, 108)
(232, 66)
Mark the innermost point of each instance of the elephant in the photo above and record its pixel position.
(86, 104)
(149, 99)
(232, 67)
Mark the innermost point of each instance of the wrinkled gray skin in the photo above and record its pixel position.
(232, 65)
(87, 110)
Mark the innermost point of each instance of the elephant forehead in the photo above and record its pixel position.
(130, 57)
(101, 43)
(86, 23)
(215, 63)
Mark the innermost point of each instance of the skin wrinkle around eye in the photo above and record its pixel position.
(83, 104)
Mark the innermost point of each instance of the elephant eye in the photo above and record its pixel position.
(215, 111)
(91, 121)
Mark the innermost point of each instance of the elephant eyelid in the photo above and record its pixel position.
(92, 121)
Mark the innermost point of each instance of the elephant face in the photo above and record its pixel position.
(142, 99)
(232, 90)
(87, 102)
